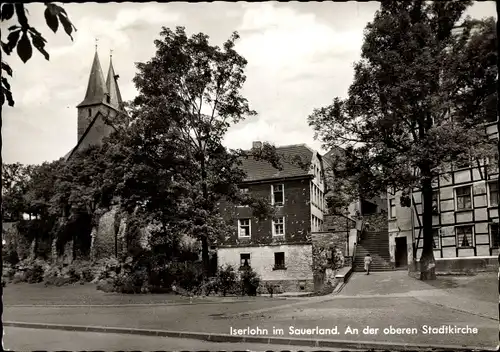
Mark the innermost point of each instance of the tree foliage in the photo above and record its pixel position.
(424, 87)
(23, 37)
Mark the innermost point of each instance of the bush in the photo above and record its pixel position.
(273, 288)
(8, 272)
(226, 280)
(106, 268)
(250, 282)
(11, 257)
(61, 274)
(188, 275)
(34, 274)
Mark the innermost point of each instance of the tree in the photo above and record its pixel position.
(421, 91)
(21, 32)
(192, 89)
(15, 183)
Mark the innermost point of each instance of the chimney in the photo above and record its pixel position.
(256, 145)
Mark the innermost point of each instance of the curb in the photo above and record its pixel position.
(125, 305)
(377, 345)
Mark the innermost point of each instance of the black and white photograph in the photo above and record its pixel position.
(250, 176)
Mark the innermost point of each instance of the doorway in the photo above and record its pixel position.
(401, 255)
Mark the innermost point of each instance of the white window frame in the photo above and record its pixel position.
(277, 223)
(282, 191)
(456, 198)
(457, 243)
(489, 193)
(392, 203)
(249, 228)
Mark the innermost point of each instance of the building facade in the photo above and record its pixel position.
(465, 218)
(279, 249)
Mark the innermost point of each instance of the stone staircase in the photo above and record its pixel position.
(377, 244)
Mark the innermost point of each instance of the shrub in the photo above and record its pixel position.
(106, 268)
(130, 281)
(250, 282)
(188, 275)
(11, 257)
(226, 280)
(34, 274)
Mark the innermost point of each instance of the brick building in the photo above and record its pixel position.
(279, 249)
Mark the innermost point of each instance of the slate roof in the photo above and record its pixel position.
(96, 88)
(112, 87)
(260, 170)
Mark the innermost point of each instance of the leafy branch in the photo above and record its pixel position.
(23, 37)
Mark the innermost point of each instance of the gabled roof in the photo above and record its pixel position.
(115, 98)
(261, 170)
(82, 138)
(96, 88)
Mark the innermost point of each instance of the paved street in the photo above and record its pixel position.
(381, 300)
(53, 340)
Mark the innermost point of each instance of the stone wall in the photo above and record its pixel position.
(376, 222)
(298, 264)
(330, 240)
(338, 223)
(104, 235)
(465, 265)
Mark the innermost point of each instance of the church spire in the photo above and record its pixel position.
(112, 85)
(96, 88)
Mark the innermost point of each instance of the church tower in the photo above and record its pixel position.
(102, 100)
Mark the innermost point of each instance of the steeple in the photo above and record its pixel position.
(96, 88)
(115, 98)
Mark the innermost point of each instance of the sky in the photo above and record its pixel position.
(300, 57)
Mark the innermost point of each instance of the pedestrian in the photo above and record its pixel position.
(368, 262)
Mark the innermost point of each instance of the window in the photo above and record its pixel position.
(493, 192)
(436, 241)
(464, 236)
(90, 112)
(435, 202)
(392, 208)
(277, 195)
(279, 226)
(463, 198)
(245, 260)
(279, 260)
(495, 235)
(244, 227)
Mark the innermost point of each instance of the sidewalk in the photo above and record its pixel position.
(380, 301)
(470, 294)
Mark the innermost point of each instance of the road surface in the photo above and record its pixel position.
(22, 339)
